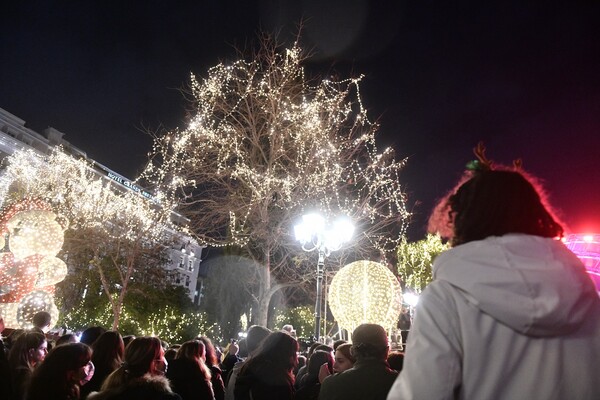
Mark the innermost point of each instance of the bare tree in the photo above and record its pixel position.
(263, 145)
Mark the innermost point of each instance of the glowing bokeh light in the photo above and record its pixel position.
(365, 292)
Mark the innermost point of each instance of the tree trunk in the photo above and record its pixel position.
(264, 297)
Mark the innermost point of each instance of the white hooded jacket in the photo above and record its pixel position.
(511, 317)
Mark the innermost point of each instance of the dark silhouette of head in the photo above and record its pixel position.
(369, 341)
(89, 335)
(396, 360)
(108, 351)
(256, 334)
(66, 338)
(318, 358)
(275, 359)
(494, 203)
(41, 320)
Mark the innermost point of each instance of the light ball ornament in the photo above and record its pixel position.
(365, 292)
(32, 303)
(35, 232)
(51, 270)
(29, 268)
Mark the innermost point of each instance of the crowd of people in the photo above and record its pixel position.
(510, 314)
(103, 365)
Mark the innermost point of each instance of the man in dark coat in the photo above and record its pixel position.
(370, 378)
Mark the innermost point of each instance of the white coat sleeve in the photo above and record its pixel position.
(432, 363)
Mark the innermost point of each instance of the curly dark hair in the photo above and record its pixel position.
(494, 203)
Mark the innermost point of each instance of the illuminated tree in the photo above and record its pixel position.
(415, 261)
(118, 234)
(263, 145)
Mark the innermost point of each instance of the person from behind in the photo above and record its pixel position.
(89, 335)
(312, 384)
(63, 371)
(211, 358)
(140, 376)
(511, 312)
(268, 374)
(396, 360)
(230, 357)
(370, 377)
(108, 351)
(189, 375)
(26, 353)
(41, 322)
(67, 338)
(254, 338)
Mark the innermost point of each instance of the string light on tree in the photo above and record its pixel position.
(264, 144)
(44, 195)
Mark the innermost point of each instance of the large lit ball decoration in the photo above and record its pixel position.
(35, 232)
(365, 292)
(29, 268)
(33, 302)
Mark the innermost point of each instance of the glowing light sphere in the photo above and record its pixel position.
(28, 265)
(32, 303)
(365, 292)
(35, 232)
(51, 270)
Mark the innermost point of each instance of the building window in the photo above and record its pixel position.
(181, 263)
(190, 265)
(187, 281)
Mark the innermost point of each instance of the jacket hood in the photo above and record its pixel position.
(534, 285)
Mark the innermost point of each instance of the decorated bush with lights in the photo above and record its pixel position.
(30, 238)
(365, 292)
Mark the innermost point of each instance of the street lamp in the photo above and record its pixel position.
(314, 235)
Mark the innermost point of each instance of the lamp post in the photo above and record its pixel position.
(314, 235)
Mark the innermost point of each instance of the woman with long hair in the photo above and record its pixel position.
(26, 353)
(268, 374)
(140, 376)
(62, 372)
(188, 373)
(212, 362)
(108, 351)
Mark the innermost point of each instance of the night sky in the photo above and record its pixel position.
(439, 77)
